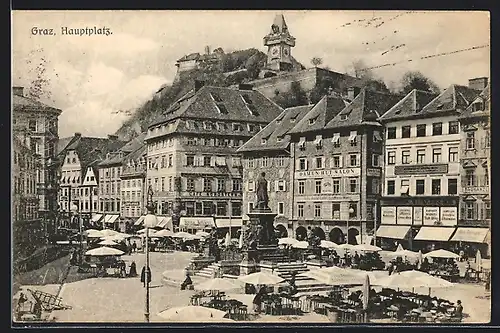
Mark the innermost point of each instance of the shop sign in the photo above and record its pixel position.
(449, 215)
(388, 215)
(421, 169)
(417, 215)
(405, 215)
(373, 172)
(431, 215)
(327, 173)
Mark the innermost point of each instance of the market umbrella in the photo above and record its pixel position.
(182, 234)
(328, 245)
(108, 232)
(367, 248)
(219, 284)
(366, 292)
(346, 247)
(412, 279)
(442, 254)
(104, 251)
(301, 245)
(164, 233)
(287, 241)
(335, 276)
(202, 233)
(399, 248)
(107, 242)
(92, 232)
(240, 241)
(192, 313)
(261, 278)
(479, 261)
(227, 242)
(403, 254)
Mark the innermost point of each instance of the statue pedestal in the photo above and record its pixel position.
(247, 267)
(264, 219)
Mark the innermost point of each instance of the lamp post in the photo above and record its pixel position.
(351, 211)
(149, 222)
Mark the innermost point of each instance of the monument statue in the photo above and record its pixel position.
(262, 197)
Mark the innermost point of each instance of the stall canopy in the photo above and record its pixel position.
(226, 223)
(165, 222)
(196, 222)
(111, 218)
(96, 217)
(139, 220)
(439, 234)
(473, 235)
(393, 231)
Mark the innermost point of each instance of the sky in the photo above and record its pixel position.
(90, 77)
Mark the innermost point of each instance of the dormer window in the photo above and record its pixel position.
(336, 139)
(440, 106)
(292, 120)
(246, 99)
(249, 104)
(352, 138)
(302, 143)
(312, 120)
(263, 141)
(237, 127)
(318, 141)
(344, 116)
(278, 121)
(398, 111)
(478, 106)
(279, 139)
(221, 108)
(216, 97)
(251, 127)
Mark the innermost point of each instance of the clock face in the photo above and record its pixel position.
(275, 51)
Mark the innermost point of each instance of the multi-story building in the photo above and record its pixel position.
(269, 151)
(28, 230)
(133, 186)
(475, 199)
(192, 163)
(38, 124)
(78, 161)
(422, 167)
(337, 148)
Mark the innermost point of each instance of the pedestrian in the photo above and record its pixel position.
(187, 282)
(389, 268)
(133, 270)
(143, 275)
(487, 283)
(458, 313)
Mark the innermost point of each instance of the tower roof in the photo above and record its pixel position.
(279, 21)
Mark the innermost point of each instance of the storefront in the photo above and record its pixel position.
(231, 225)
(418, 222)
(110, 220)
(194, 224)
(470, 239)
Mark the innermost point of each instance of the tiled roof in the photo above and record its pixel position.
(224, 104)
(25, 103)
(365, 108)
(63, 143)
(453, 98)
(410, 105)
(320, 115)
(483, 97)
(278, 128)
(192, 56)
(123, 153)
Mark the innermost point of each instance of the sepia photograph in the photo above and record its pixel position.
(251, 166)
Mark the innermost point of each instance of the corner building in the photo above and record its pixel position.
(422, 169)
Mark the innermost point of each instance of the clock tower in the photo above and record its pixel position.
(279, 43)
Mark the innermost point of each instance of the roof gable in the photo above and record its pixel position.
(320, 115)
(410, 105)
(454, 98)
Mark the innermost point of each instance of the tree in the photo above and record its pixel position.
(359, 70)
(295, 96)
(416, 80)
(39, 87)
(376, 85)
(316, 61)
(321, 89)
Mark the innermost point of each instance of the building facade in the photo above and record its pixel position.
(28, 230)
(422, 168)
(192, 164)
(269, 151)
(110, 170)
(37, 125)
(337, 149)
(475, 198)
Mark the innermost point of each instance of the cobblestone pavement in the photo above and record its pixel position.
(122, 300)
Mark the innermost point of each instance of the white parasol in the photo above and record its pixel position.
(412, 279)
(202, 233)
(219, 284)
(367, 248)
(182, 234)
(104, 251)
(261, 278)
(287, 241)
(107, 242)
(164, 233)
(301, 245)
(442, 254)
(328, 245)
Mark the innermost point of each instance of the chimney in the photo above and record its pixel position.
(112, 137)
(78, 134)
(245, 86)
(198, 84)
(478, 83)
(352, 92)
(18, 91)
(207, 49)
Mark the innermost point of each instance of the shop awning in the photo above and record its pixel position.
(473, 235)
(439, 234)
(111, 218)
(225, 223)
(393, 231)
(139, 220)
(196, 222)
(96, 217)
(165, 222)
